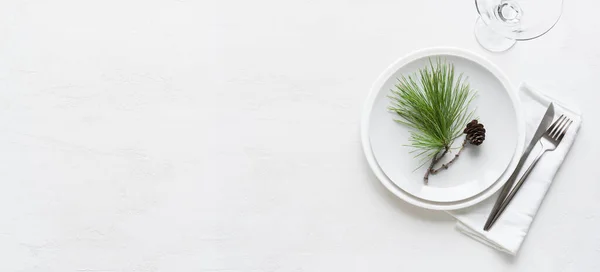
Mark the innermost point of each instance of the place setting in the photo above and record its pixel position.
(444, 129)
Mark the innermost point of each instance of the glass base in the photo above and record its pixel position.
(490, 40)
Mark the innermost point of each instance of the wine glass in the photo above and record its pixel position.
(504, 22)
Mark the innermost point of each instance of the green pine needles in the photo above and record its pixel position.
(434, 103)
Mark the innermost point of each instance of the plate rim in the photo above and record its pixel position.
(376, 88)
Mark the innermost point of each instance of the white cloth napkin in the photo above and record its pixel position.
(510, 230)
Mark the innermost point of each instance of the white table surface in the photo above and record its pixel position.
(224, 136)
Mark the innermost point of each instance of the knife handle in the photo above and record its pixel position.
(513, 192)
(508, 185)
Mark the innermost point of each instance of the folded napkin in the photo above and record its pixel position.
(510, 230)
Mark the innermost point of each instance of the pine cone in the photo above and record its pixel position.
(475, 132)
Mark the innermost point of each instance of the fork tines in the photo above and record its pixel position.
(559, 128)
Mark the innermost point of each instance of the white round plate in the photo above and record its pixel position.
(480, 170)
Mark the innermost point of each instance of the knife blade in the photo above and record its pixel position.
(544, 124)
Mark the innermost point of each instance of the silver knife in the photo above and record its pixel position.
(544, 124)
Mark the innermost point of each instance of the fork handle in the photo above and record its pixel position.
(514, 191)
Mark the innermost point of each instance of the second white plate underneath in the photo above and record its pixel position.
(478, 168)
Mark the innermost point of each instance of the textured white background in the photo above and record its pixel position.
(224, 136)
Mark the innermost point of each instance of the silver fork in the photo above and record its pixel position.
(550, 140)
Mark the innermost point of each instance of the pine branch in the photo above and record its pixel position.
(434, 161)
(446, 165)
(435, 105)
